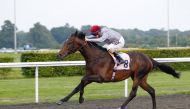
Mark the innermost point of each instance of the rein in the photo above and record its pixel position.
(85, 43)
(96, 58)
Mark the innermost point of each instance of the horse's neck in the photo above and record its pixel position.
(90, 52)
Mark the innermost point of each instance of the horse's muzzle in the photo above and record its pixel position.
(61, 56)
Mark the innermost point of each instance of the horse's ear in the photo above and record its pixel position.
(81, 35)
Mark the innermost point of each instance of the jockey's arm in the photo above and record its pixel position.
(90, 37)
(101, 39)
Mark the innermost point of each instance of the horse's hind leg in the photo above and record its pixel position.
(132, 93)
(150, 90)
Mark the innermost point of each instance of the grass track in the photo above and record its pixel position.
(15, 91)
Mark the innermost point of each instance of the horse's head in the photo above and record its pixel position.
(74, 43)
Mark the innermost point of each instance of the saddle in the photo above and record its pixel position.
(123, 66)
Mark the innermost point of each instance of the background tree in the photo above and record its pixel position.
(22, 38)
(7, 35)
(62, 33)
(41, 37)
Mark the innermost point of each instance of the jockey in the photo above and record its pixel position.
(112, 39)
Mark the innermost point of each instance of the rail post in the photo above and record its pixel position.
(126, 88)
(36, 85)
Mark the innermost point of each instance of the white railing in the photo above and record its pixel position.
(41, 64)
(74, 63)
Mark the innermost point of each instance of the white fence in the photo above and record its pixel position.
(74, 63)
(41, 64)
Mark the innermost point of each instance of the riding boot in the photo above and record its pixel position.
(120, 60)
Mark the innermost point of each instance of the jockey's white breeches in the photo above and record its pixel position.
(114, 47)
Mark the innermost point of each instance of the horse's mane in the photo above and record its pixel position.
(82, 35)
(97, 46)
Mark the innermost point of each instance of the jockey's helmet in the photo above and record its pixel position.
(95, 29)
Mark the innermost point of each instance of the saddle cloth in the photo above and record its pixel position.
(123, 66)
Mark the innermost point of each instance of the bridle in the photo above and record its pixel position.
(84, 44)
(98, 57)
(80, 48)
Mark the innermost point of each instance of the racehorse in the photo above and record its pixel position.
(99, 68)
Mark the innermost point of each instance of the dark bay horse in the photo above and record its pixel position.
(99, 68)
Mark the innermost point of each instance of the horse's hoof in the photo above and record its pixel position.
(81, 100)
(59, 102)
(121, 108)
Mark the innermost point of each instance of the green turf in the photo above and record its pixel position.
(14, 91)
(16, 56)
(15, 72)
(166, 84)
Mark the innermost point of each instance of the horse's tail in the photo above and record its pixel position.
(166, 68)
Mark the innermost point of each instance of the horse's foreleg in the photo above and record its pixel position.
(151, 91)
(131, 95)
(93, 78)
(80, 88)
(76, 90)
(81, 98)
(70, 95)
(87, 80)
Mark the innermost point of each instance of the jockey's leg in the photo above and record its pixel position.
(118, 46)
(112, 49)
(118, 57)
